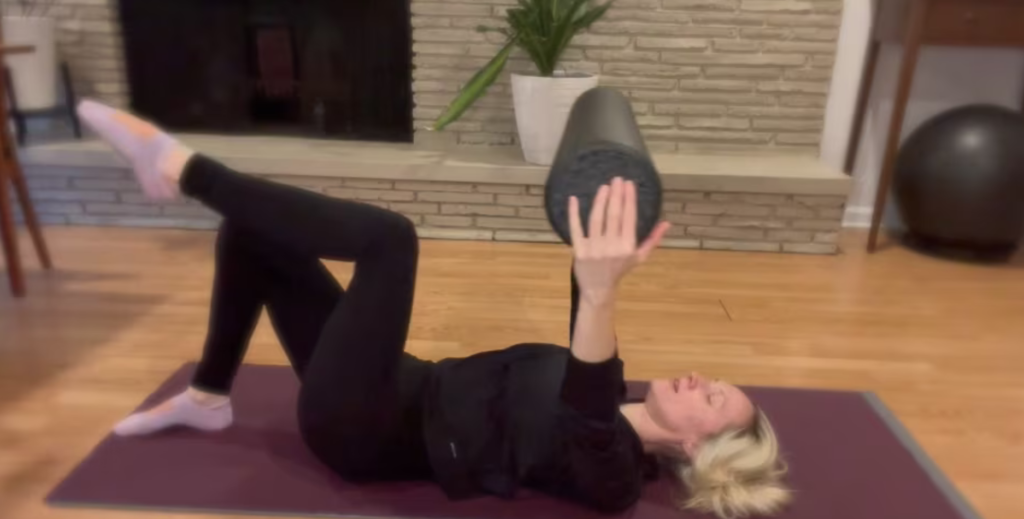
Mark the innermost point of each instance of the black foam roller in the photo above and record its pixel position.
(601, 141)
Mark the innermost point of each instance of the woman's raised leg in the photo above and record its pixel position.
(351, 385)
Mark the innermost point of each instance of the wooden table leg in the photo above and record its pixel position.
(27, 209)
(1022, 101)
(867, 81)
(8, 236)
(912, 50)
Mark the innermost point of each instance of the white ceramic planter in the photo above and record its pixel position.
(34, 74)
(542, 108)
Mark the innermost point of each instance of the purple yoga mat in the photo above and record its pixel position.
(849, 459)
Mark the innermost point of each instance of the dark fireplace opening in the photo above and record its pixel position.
(327, 68)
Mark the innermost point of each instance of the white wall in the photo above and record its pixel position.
(946, 78)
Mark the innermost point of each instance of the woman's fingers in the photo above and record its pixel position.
(597, 213)
(575, 225)
(613, 214)
(613, 224)
(652, 241)
(629, 215)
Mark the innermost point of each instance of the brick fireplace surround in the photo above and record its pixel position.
(730, 96)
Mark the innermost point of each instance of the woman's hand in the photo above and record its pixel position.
(609, 250)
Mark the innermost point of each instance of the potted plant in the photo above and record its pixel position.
(543, 29)
(34, 74)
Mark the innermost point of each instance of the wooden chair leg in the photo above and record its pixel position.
(867, 81)
(911, 53)
(8, 236)
(27, 209)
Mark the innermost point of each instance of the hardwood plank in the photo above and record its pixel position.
(940, 341)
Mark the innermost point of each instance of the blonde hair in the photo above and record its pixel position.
(737, 473)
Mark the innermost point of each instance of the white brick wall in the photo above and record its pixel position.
(675, 58)
(740, 65)
(467, 211)
(89, 39)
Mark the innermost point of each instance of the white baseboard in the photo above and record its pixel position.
(858, 217)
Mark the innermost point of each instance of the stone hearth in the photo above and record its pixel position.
(705, 77)
(728, 202)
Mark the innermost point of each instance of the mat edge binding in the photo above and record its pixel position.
(927, 464)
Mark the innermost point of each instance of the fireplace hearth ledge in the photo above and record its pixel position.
(710, 172)
(739, 202)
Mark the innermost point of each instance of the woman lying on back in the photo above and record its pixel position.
(531, 415)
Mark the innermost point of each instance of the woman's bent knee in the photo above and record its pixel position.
(361, 459)
(397, 236)
(404, 229)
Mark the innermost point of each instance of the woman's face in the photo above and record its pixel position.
(694, 408)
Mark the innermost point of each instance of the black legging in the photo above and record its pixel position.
(358, 406)
(359, 403)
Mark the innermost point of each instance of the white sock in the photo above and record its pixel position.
(181, 410)
(149, 150)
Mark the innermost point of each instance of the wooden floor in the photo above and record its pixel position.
(941, 342)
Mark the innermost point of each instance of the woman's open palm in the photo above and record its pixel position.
(608, 250)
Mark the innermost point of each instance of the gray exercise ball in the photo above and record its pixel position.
(959, 181)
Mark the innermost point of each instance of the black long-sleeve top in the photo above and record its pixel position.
(533, 415)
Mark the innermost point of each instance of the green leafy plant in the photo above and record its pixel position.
(543, 29)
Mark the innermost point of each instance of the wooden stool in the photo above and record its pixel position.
(10, 171)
